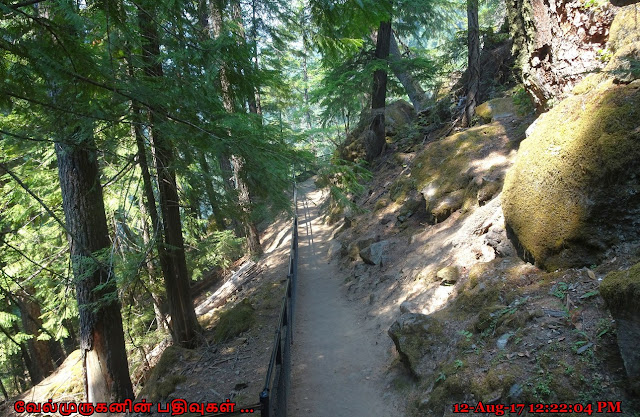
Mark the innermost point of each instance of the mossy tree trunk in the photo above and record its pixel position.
(237, 162)
(411, 86)
(106, 371)
(556, 44)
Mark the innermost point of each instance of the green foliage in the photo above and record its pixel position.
(218, 249)
(560, 290)
(234, 321)
(523, 101)
(344, 180)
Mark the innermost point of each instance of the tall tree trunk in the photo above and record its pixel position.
(237, 163)
(161, 319)
(38, 349)
(71, 341)
(305, 73)
(256, 62)
(210, 192)
(375, 143)
(106, 371)
(4, 391)
(148, 207)
(473, 41)
(411, 86)
(251, 230)
(184, 325)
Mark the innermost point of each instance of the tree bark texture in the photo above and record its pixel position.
(4, 391)
(375, 142)
(556, 43)
(411, 86)
(244, 199)
(184, 325)
(237, 162)
(473, 46)
(101, 334)
(38, 349)
(210, 192)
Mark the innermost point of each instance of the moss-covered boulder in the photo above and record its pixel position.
(621, 291)
(573, 190)
(450, 172)
(497, 108)
(417, 337)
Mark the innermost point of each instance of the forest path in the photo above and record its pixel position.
(338, 366)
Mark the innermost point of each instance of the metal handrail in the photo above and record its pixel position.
(280, 355)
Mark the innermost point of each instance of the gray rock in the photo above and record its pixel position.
(449, 275)
(416, 336)
(503, 340)
(360, 270)
(408, 307)
(621, 291)
(515, 391)
(335, 248)
(374, 254)
(354, 248)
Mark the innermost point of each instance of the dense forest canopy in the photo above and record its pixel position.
(144, 145)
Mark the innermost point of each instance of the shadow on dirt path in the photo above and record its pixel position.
(339, 363)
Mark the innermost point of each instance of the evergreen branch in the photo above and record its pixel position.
(24, 4)
(130, 96)
(11, 297)
(42, 267)
(49, 29)
(3, 330)
(19, 136)
(54, 107)
(53, 215)
(32, 139)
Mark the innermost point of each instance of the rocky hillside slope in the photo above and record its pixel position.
(438, 265)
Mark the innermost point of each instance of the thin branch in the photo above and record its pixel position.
(42, 267)
(54, 107)
(119, 174)
(19, 136)
(3, 330)
(53, 215)
(24, 4)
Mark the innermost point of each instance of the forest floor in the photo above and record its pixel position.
(340, 364)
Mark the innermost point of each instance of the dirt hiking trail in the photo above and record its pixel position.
(339, 361)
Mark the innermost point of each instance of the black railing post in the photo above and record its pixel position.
(278, 372)
(264, 402)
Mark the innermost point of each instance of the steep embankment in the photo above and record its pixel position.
(470, 319)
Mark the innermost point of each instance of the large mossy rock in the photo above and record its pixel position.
(416, 337)
(464, 169)
(574, 190)
(621, 291)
